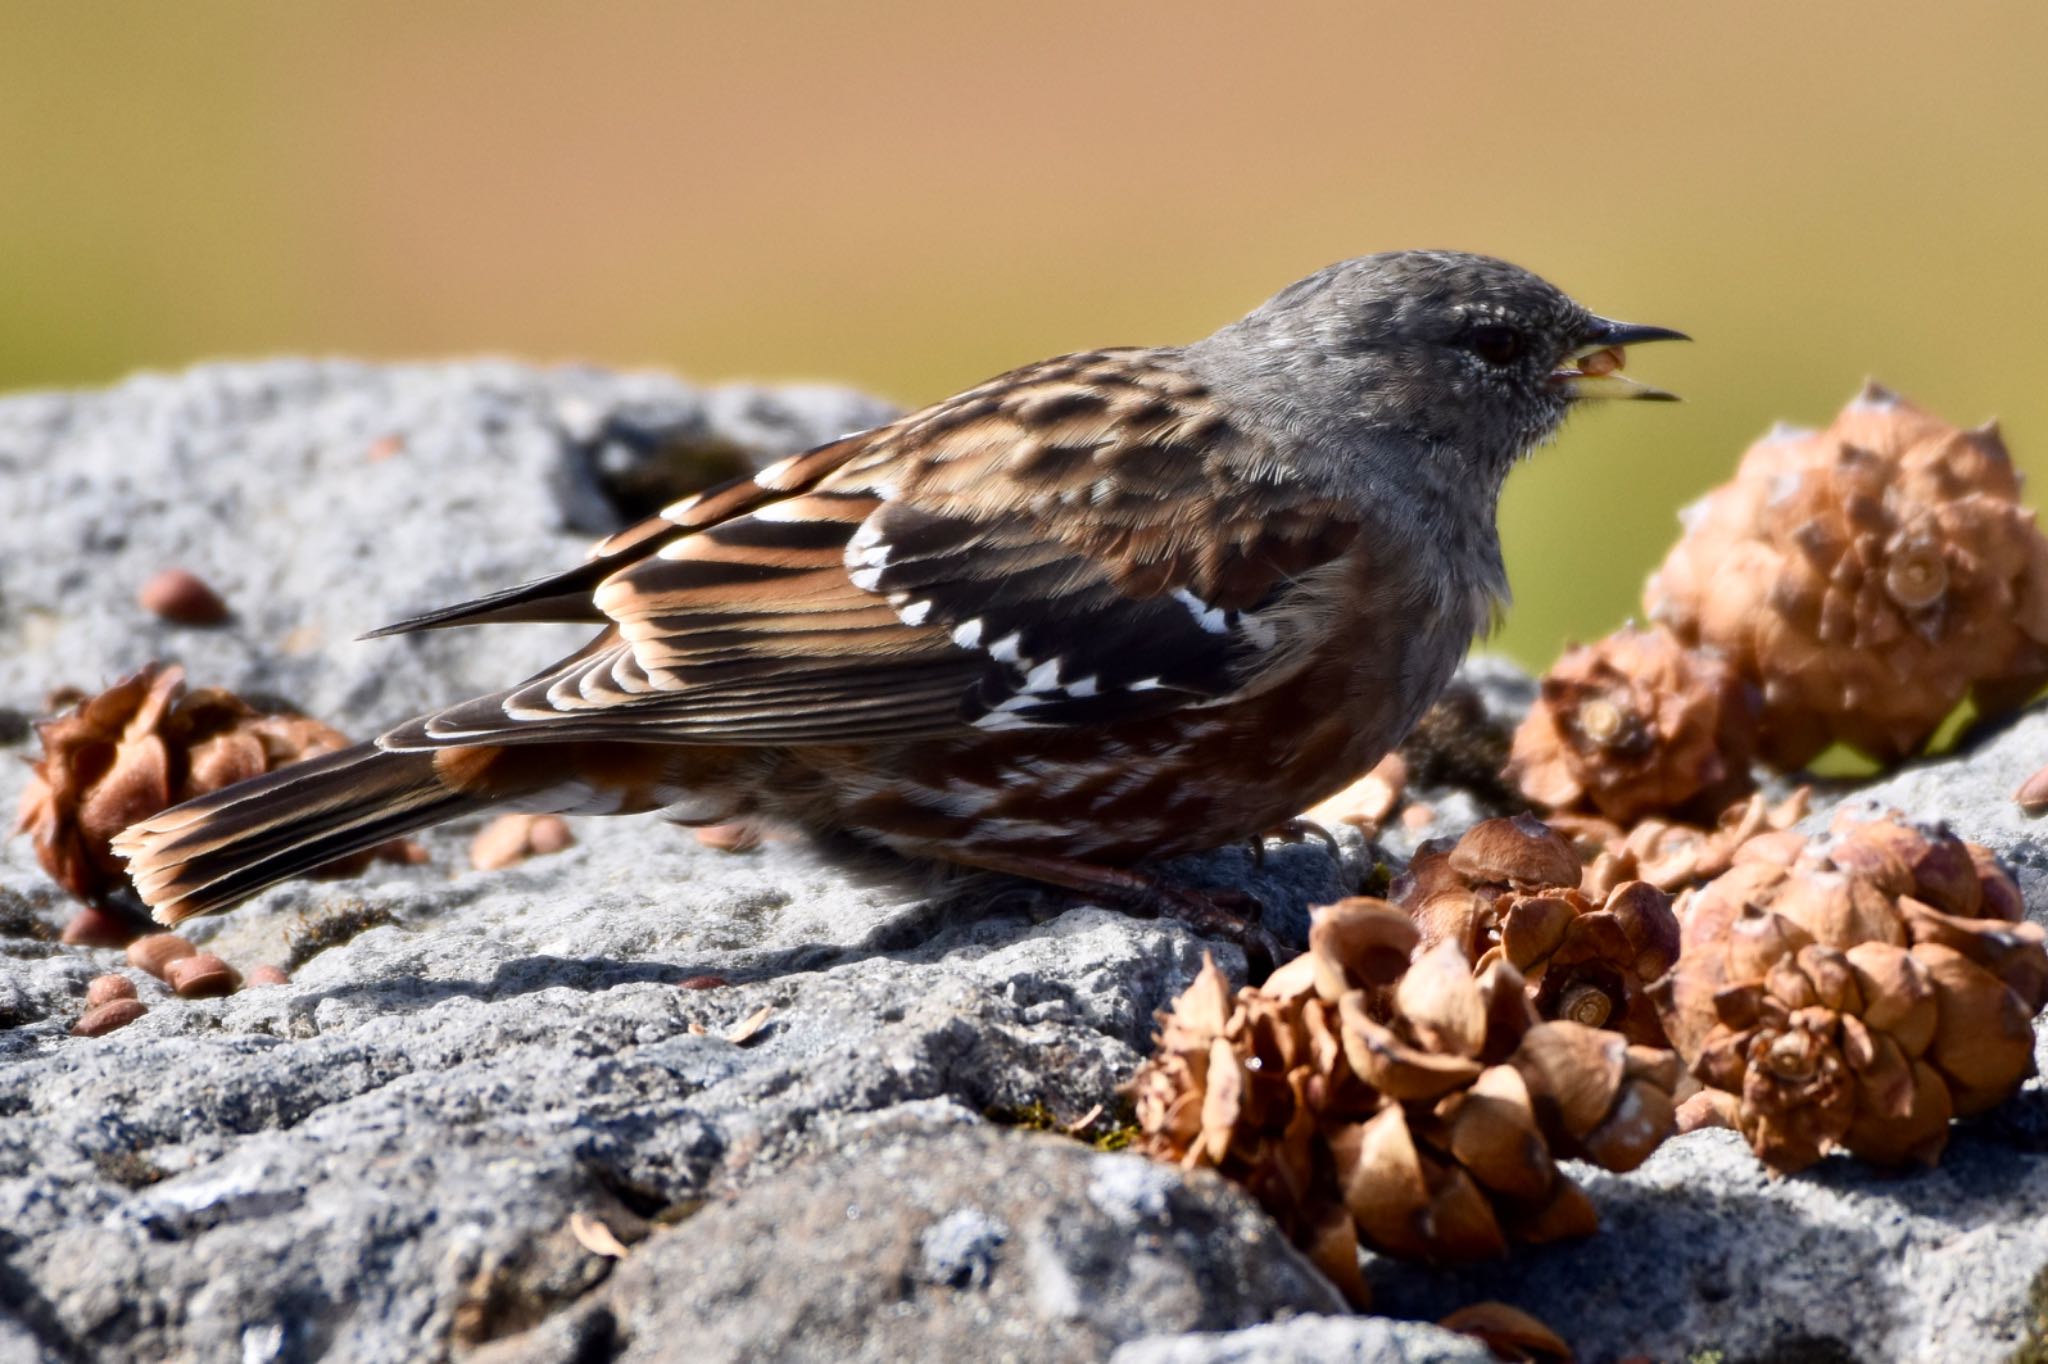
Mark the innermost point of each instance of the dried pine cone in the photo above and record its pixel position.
(1510, 890)
(137, 748)
(1856, 992)
(1867, 577)
(1368, 802)
(1673, 856)
(1417, 1109)
(1634, 725)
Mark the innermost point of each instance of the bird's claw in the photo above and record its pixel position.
(1236, 916)
(1299, 830)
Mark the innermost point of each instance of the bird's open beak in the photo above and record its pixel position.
(1593, 370)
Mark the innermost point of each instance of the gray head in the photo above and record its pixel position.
(1438, 355)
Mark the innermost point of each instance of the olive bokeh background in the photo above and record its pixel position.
(910, 195)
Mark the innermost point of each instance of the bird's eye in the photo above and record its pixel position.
(1496, 344)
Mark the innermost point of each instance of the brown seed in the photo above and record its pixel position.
(1509, 1332)
(549, 834)
(104, 1018)
(156, 951)
(182, 598)
(703, 983)
(510, 839)
(266, 974)
(405, 852)
(202, 977)
(2033, 793)
(386, 446)
(1601, 362)
(102, 989)
(95, 927)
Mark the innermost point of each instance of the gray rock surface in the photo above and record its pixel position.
(1702, 1250)
(1313, 1340)
(381, 1159)
(422, 1146)
(1066, 1254)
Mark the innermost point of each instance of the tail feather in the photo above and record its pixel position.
(210, 853)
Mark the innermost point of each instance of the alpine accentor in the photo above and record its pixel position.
(1105, 608)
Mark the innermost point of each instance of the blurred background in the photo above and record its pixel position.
(912, 195)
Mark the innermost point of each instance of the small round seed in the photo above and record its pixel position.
(266, 974)
(510, 839)
(115, 1013)
(94, 927)
(157, 951)
(105, 989)
(549, 834)
(182, 598)
(2033, 793)
(202, 977)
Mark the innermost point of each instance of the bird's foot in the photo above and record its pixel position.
(1297, 830)
(1222, 912)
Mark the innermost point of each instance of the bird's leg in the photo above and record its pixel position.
(1232, 915)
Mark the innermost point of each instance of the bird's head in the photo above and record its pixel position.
(1471, 359)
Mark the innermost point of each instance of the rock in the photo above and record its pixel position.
(380, 1157)
(1326, 1340)
(410, 1148)
(1703, 1251)
(1064, 1256)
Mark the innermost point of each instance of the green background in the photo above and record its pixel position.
(911, 196)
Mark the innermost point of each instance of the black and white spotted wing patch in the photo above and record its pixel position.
(1063, 645)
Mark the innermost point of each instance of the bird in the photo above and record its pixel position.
(1099, 611)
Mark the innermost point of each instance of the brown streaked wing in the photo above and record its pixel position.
(1102, 529)
(1085, 540)
(566, 596)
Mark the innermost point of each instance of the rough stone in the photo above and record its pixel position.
(402, 1153)
(379, 1159)
(1067, 1254)
(1324, 1340)
(1702, 1250)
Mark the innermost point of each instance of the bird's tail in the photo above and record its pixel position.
(210, 853)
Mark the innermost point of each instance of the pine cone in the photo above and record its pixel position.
(1867, 577)
(1511, 890)
(140, 747)
(1674, 856)
(1856, 992)
(1417, 1109)
(1637, 724)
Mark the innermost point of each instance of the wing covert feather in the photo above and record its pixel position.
(1078, 542)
